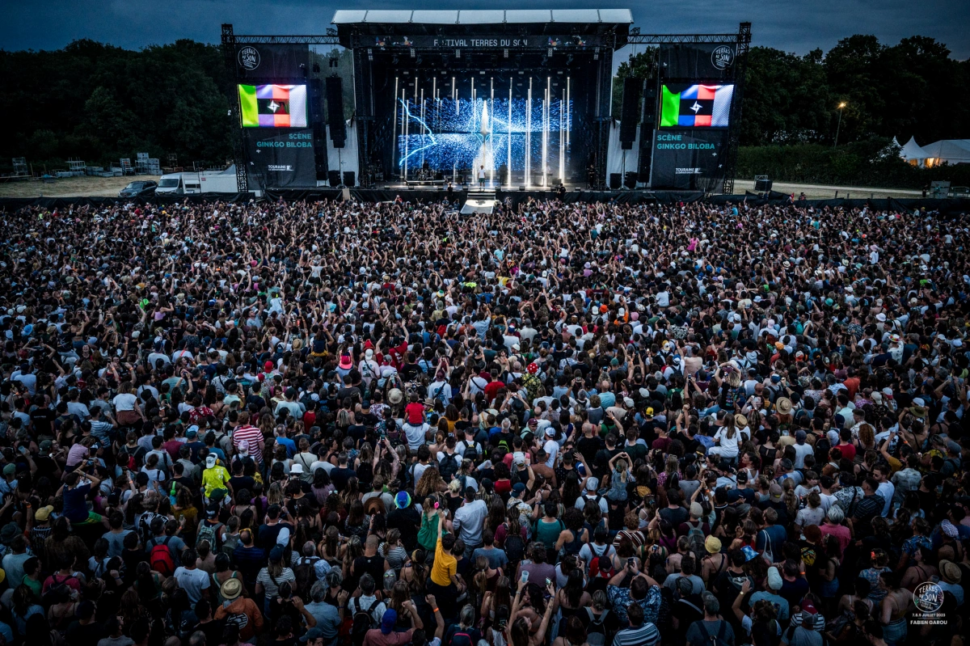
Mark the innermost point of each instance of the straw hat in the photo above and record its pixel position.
(231, 589)
(783, 405)
(740, 420)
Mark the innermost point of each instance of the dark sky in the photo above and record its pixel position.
(792, 25)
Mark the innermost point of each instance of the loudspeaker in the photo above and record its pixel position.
(335, 111)
(649, 118)
(630, 180)
(333, 177)
(503, 173)
(616, 181)
(632, 89)
(349, 178)
(762, 185)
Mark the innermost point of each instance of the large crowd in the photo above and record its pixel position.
(348, 424)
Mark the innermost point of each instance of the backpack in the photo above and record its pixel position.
(595, 501)
(230, 544)
(471, 453)
(161, 559)
(363, 621)
(697, 538)
(459, 638)
(717, 639)
(209, 533)
(449, 466)
(145, 525)
(305, 574)
(596, 628)
(514, 548)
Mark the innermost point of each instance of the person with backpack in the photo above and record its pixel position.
(164, 547)
(365, 610)
(712, 630)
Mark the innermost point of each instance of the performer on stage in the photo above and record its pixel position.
(481, 177)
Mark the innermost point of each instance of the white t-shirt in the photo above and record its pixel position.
(193, 582)
(729, 445)
(124, 402)
(551, 448)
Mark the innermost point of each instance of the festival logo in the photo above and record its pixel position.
(248, 58)
(928, 597)
(722, 57)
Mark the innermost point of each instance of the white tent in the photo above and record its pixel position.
(947, 151)
(911, 152)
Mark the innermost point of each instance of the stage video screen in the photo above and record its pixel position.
(445, 134)
(696, 106)
(273, 106)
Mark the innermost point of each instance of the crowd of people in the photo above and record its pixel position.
(348, 424)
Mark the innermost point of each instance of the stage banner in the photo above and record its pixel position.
(709, 62)
(687, 159)
(572, 41)
(274, 63)
(281, 158)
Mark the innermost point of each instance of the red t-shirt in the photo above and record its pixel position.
(848, 451)
(492, 389)
(415, 413)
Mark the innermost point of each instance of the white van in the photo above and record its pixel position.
(179, 184)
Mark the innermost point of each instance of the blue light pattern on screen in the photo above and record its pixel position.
(471, 134)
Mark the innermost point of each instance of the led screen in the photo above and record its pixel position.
(696, 106)
(273, 106)
(445, 134)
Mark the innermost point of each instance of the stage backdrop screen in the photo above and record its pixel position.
(688, 159)
(696, 106)
(445, 134)
(273, 106)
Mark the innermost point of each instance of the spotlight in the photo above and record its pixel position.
(413, 54)
(370, 55)
(457, 53)
(549, 54)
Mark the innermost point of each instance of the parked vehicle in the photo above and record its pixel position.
(218, 181)
(141, 188)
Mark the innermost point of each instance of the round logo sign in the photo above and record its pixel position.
(248, 58)
(928, 597)
(722, 57)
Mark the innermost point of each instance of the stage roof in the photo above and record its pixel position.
(389, 22)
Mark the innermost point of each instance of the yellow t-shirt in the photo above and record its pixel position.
(214, 478)
(445, 566)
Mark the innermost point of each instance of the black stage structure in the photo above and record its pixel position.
(412, 68)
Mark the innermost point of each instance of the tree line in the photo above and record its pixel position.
(99, 103)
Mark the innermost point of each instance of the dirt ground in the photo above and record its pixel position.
(70, 186)
(110, 186)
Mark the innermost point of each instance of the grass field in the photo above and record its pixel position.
(69, 187)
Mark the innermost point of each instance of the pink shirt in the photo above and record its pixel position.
(840, 532)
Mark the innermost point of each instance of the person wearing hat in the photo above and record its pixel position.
(771, 593)
(406, 519)
(385, 634)
(951, 578)
(236, 606)
(214, 476)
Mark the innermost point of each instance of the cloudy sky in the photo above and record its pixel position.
(792, 25)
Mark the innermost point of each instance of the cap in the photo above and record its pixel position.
(9, 469)
(388, 621)
(43, 513)
(648, 412)
(210, 462)
(800, 435)
(518, 488)
(775, 492)
(402, 500)
(518, 458)
(592, 483)
(550, 431)
(808, 620)
(268, 365)
(774, 578)
(276, 554)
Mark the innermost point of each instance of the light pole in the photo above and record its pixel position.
(841, 107)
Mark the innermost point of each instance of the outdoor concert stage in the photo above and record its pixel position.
(523, 98)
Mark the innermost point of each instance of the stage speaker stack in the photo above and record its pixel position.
(616, 181)
(630, 181)
(503, 174)
(349, 178)
(648, 123)
(632, 89)
(335, 112)
(762, 184)
(333, 178)
(319, 129)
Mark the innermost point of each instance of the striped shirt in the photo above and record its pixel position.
(248, 437)
(645, 635)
